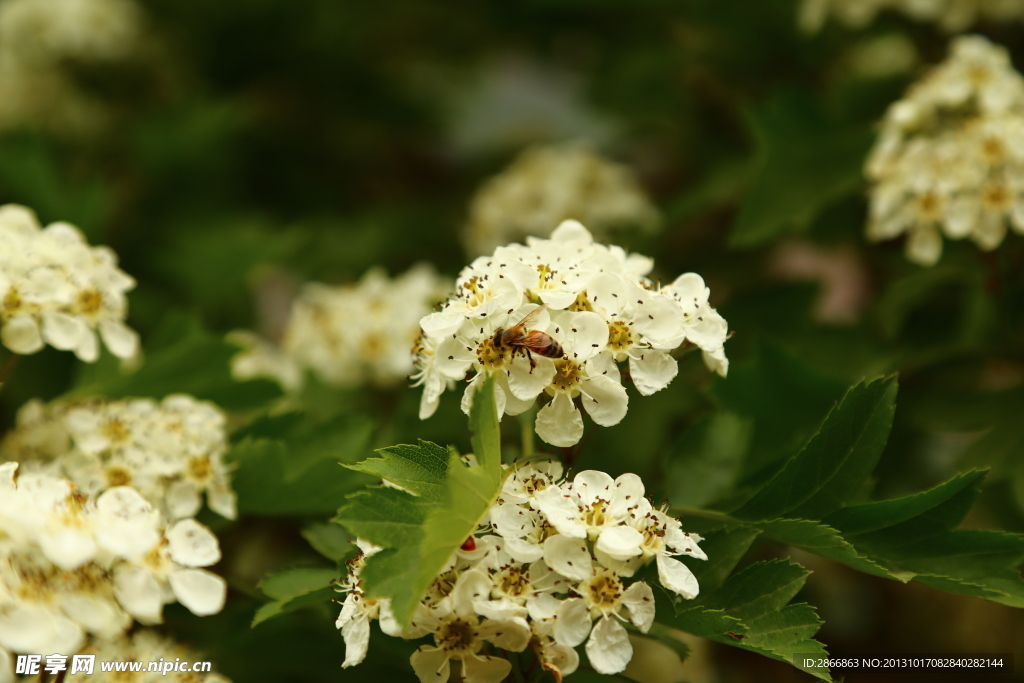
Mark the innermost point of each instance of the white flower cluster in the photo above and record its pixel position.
(37, 36)
(55, 289)
(952, 15)
(546, 185)
(552, 568)
(141, 646)
(171, 451)
(556, 316)
(346, 335)
(73, 565)
(950, 158)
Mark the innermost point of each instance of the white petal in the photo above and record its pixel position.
(628, 492)
(357, 640)
(122, 341)
(525, 383)
(639, 600)
(659, 318)
(590, 485)
(572, 231)
(452, 358)
(431, 665)
(568, 556)
(500, 609)
(560, 509)
(572, 625)
(924, 246)
(677, 577)
(99, 615)
(584, 333)
(126, 524)
(68, 548)
(21, 335)
(559, 423)
(560, 660)
(202, 592)
(63, 331)
(990, 231)
(543, 606)
(608, 648)
(442, 323)
(192, 544)
(35, 629)
(652, 370)
(485, 669)
(605, 400)
(620, 542)
(88, 348)
(139, 593)
(182, 499)
(521, 550)
(511, 521)
(509, 634)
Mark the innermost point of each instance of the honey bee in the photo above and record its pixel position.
(520, 339)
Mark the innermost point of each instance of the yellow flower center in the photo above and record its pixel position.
(568, 375)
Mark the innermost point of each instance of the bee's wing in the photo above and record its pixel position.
(531, 317)
(537, 341)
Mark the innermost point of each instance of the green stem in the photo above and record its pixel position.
(526, 426)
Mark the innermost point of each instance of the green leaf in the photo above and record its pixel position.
(299, 472)
(441, 504)
(857, 519)
(759, 597)
(420, 469)
(807, 161)
(823, 540)
(784, 396)
(836, 462)
(705, 464)
(328, 539)
(295, 588)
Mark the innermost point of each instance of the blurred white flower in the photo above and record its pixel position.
(546, 185)
(347, 335)
(55, 289)
(952, 16)
(72, 565)
(37, 37)
(949, 161)
(171, 452)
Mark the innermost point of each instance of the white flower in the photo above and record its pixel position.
(56, 289)
(554, 574)
(603, 597)
(459, 634)
(554, 317)
(591, 505)
(171, 452)
(71, 566)
(547, 185)
(170, 572)
(949, 160)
